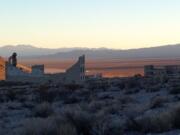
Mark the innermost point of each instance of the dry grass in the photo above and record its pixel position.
(156, 123)
(43, 110)
(49, 126)
(158, 102)
(175, 90)
(80, 119)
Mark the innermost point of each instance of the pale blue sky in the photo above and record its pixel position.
(119, 24)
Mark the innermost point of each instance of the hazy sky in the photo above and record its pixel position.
(90, 23)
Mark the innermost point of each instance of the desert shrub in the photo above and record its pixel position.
(43, 110)
(138, 76)
(49, 126)
(175, 90)
(80, 119)
(45, 94)
(132, 91)
(12, 83)
(120, 85)
(95, 106)
(132, 83)
(176, 119)
(66, 129)
(28, 105)
(63, 94)
(101, 84)
(14, 105)
(126, 99)
(113, 109)
(154, 88)
(104, 86)
(135, 110)
(108, 125)
(132, 125)
(103, 96)
(11, 94)
(157, 102)
(164, 79)
(84, 94)
(155, 123)
(72, 99)
(73, 86)
(158, 122)
(91, 85)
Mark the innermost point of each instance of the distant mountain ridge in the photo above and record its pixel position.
(29, 50)
(167, 51)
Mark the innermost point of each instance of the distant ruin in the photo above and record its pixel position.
(160, 71)
(12, 71)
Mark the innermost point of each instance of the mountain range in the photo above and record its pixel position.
(166, 51)
(29, 50)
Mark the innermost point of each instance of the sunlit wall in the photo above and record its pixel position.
(2, 69)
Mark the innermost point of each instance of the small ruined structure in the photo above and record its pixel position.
(160, 71)
(37, 70)
(12, 71)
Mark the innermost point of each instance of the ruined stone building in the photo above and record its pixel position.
(160, 71)
(12, 71)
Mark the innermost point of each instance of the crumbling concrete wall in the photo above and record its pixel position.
(2, 69)
(12, 71)
(76, 73)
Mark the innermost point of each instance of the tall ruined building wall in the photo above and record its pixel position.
(2, 69)
(76, 74)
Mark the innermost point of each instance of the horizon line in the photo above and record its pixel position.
(30, 45)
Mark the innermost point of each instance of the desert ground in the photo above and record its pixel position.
(114, 106)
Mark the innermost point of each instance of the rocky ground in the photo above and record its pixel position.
(118, 106)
